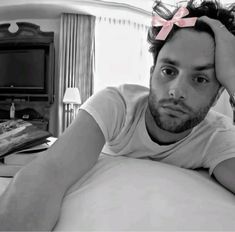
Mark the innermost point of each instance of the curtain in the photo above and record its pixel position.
(121, 53)
(76, 54)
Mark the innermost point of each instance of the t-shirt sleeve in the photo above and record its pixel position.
(220, 147)
(107, 107)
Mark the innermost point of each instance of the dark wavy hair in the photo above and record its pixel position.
(211, 9)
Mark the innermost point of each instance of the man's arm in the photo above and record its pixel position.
(225, 69)
(224, 172)
(224, 54)
(33, 198)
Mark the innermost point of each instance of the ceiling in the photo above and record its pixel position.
(41, 9)
(137, 10)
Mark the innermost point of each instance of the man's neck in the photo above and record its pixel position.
(160, 136)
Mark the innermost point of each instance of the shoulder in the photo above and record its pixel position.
(127, 94)
(112, 107)
(218, 121)
(219, 132)
(133, 95)
(125, 91)
(122, 96)
(216, 126)
(133, 90)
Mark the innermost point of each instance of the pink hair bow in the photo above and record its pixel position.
(177, 19)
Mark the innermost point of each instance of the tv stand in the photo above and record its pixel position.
(41, 124)
(27, 114)
(28, 44)
(9, 97)
(29, 36)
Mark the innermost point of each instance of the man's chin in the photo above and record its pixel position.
(172, 128)
(173, 125)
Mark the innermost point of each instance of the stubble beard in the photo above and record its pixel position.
(176, 125)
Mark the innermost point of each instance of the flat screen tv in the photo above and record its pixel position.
(23, 71)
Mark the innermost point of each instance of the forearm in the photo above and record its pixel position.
(33, 199)
(31, 202)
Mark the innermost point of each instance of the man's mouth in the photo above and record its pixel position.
(174, 110)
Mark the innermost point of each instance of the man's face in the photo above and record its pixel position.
(183, 85)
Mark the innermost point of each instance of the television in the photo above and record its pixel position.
(23, 71)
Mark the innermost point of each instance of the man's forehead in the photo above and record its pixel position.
(189, 46)
(200, 66)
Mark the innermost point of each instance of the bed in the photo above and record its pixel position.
(121, 193)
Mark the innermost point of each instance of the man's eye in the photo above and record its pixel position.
(200, 80)
(168, 72)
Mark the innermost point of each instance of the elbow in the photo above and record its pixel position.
(224, 173)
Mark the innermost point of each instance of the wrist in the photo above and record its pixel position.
(231, 92)
(232, 100)
(227, 79)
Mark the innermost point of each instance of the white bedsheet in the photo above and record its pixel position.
(130, 194)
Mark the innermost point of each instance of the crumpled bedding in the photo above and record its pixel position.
(121, 193)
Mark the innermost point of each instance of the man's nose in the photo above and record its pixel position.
(178, 88)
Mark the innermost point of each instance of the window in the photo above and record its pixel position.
(121, 53)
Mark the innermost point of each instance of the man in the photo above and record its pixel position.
(171, 123)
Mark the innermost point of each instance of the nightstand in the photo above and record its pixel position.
(41, 124)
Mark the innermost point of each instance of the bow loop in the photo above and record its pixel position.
(177, 19)
(181, 12)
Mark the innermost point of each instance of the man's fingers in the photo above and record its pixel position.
(219, 29)
(213, 23)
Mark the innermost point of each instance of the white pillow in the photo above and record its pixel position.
(122, 193)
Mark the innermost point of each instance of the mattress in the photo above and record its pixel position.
(121, 193)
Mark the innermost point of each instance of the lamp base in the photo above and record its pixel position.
(70, 114)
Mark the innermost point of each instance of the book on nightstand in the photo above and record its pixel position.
(13, 162)
(23, 157)
(18, 134)
(9, 170)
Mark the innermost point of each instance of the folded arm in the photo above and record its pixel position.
(225, 174)
(224, 53)
(33, 199)
(225, 73)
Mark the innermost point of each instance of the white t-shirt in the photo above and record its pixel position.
(120, 114)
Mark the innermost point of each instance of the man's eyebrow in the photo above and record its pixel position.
(196, 68)
(204, 67)
(169, 61)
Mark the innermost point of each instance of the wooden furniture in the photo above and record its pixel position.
(29, 38)
(39, 123)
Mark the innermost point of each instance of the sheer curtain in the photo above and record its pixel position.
(75, 60)
(121, 53)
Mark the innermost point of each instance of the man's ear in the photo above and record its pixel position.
(220, 91)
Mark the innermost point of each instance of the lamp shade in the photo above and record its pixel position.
(72, 95)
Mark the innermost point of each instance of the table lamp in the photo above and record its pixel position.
(72, 97)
